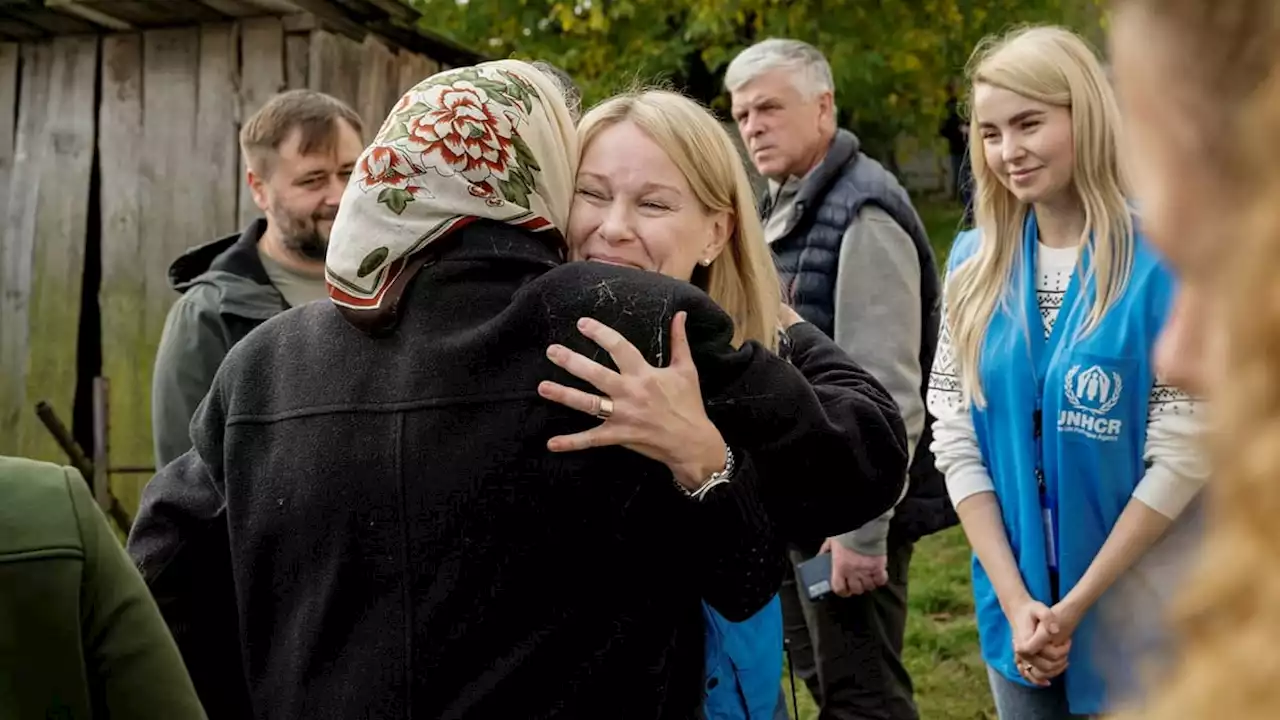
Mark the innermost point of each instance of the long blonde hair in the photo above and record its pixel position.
(743, 279)
(1053, 66)
(1227, 58)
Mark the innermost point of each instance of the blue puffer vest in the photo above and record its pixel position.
(807, 256)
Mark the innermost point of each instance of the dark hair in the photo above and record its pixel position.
(315, 114)
(568, 88)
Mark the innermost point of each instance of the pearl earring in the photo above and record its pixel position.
(706, 262)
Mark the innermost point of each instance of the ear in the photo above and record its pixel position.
(257, 188)
(722, 226)
(827, 109)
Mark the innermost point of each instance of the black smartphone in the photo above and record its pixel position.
(815, 575)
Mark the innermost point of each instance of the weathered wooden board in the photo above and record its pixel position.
(170, 210)
(17, 420)
(262, 51)
(8, 116)
(378, 73)
(127, 354)
(217, 122)
(415, 68)
(391, 92)
(297, 59)
(60, 233)
(335, 66)
(171, 218)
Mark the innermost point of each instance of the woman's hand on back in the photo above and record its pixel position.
(657, 412)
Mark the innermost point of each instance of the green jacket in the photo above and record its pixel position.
(80, 635)
(225, 294)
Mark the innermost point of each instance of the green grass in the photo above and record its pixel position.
(942, 222)
(942, 637)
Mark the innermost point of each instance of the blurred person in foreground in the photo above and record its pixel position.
(1199, 81)
(80, 636)
(371, 523)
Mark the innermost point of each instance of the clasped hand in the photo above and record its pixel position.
(655, 411)
(1042, 639)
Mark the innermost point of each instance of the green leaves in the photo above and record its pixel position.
(521, 180)
(891, 60)
(515, 191)
(395, 199)
(398, 131)
(372, 261)
(524, 155)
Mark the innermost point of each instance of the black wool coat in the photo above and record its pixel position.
(372, 527)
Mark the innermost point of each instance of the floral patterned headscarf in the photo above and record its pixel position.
(492, 141)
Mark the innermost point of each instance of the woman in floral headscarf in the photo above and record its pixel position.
(370, 515)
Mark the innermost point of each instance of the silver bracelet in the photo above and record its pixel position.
(719, 477)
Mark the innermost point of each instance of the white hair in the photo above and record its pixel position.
(809, 69)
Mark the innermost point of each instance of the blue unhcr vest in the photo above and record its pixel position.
(1089, 395)
(744, 664)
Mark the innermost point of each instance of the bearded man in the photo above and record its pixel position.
(299, 150)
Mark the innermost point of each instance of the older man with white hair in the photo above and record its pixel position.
(856, 262)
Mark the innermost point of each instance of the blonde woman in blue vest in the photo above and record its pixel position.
(1065, 455)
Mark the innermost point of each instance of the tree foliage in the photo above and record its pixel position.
(892, 60)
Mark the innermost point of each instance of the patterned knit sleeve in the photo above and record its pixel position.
(955, 442)
(1176, 464)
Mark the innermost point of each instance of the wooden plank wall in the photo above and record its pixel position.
(171, 109)
(370, 76)
(217, 125)
(61, 227)
(166, 125)
(262, 56)
(297, 59)
(127, 280)
(378, 81)
(414, 69)
(13, 328)
(8, 114)
(16, 257)
(335, 66)
(42, 259)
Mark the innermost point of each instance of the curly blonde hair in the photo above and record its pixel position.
(1228, 619)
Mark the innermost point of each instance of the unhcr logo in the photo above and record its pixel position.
(1092, 393)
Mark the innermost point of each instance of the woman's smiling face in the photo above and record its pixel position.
(632, 206)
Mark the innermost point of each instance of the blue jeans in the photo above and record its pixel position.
(1015, 701)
